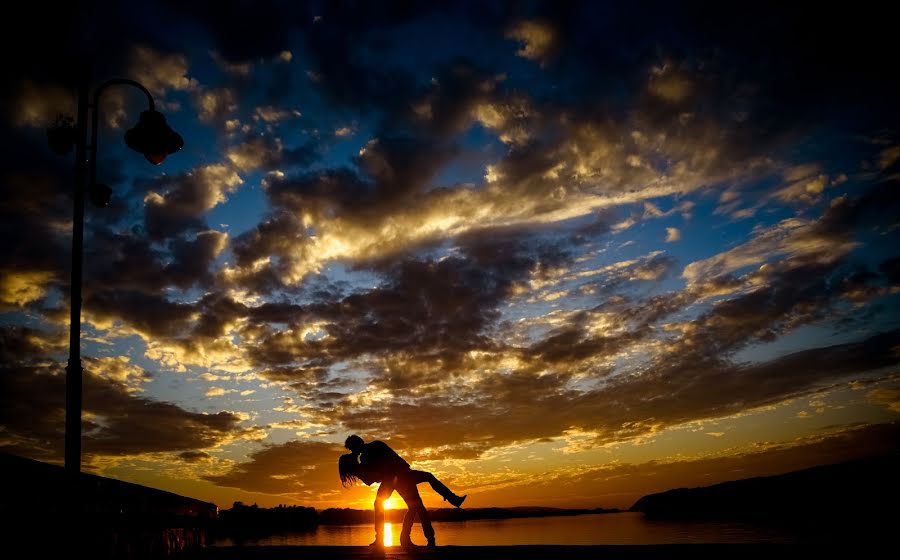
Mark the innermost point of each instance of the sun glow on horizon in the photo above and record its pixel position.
(391, 503)
(388, 535)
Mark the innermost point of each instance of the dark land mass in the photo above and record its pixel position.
(857, 496)
(45, 511)
(36, 488)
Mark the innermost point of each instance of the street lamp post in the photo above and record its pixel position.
(151, 137)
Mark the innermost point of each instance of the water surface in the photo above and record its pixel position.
(609, 528)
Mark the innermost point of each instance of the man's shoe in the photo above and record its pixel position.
(431, 543)
(377, 543)
(457, 500)
(407, 543)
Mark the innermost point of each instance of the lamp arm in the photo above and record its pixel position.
(95, 115)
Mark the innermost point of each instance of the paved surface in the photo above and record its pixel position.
(525, 552)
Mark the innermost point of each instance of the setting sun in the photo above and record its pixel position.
(391, 503)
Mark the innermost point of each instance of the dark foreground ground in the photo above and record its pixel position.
(524, 552)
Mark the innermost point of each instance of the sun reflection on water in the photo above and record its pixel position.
(388, 535)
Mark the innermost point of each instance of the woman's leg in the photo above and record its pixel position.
(423, 476)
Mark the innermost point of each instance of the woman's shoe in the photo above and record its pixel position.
(457, 500)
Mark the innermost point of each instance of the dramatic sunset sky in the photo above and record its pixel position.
(559, 254)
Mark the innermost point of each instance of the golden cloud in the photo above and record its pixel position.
(538, 39)
(38, 105)
(18, 288)
(160, 72)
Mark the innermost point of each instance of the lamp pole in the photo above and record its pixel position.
(74, 370)
(152, 137)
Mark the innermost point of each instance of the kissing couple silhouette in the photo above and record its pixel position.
(377, 462)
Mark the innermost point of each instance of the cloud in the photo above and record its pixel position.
(128, 261)
(234, 68)
(272, 114)
(669, 84)
(801, 241)
(530, 407)
(119, 369)
(688, 378)
(194, 456)
(446, 305)
(347, 228)
(549, 183)
(191, 259)
(242, 36)
(414, 362)
(160, 72)
(888, 397)
(116, 421)
(152, 316)
(177, 351)
(35, 222)
(24, 287)
(672, 234)
(538, 39)
(805, 184)
(21, 345)
(767, 303)
(303, 470)
(122, 260)
(214, 105)
(557, 169)
(38, 105)
(337, 64)
(206, 340)
(185, 198)
(888, 157)
(782, 296)
(255, 153)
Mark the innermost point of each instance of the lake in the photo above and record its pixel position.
(609, 528)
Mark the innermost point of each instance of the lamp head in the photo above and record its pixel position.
(153, 137)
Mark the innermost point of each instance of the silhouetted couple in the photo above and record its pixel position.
(377, 462)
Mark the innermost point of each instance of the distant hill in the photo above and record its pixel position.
(852, 493)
